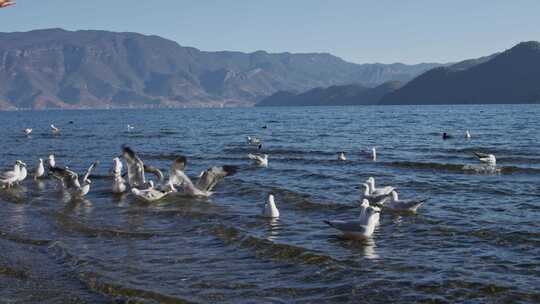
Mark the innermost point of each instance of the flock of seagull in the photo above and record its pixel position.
(135, 181)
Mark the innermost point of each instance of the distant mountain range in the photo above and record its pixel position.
(344, 95)
(512, 76)
(55, 68)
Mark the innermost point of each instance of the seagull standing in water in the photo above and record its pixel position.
(488, 159)
(361, 228)
(270, 209)
(40, 170)
(395, 204)
(28, 131)
(259, 160)
(55, 130)
(342, 156)
(9, 178)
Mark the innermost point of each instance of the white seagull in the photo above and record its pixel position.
(374, 154)
(468, 134)
(136, 169)
(28, 131)
(23, 173)
(342, 156)
(486, 158)
(8, 178)
(54, 129)
(396, 204)
(70, 180)
(130, 127)
(373, 198)
(378, 191)
(206, 182)
(259, 160)
(151, 194)
(270, 209)
(361, 228)
(119, 183)
(40, 169)
(51, 161)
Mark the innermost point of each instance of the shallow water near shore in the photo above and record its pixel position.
(476, 240)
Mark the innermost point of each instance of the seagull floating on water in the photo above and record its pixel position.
(130, 127)
(468, 134)
(40, 169)
(206, 183)
(54, 129)
(342, 156)
(151, 194)
(119, 183)
(396, 204)
(270, 209)
(486, 158)
(9, 178)
(259, 160)
(28, 131)
(361, 228)
(378, 191)
(374, 154)
(375, 197)
(23, 173)
(70, 180)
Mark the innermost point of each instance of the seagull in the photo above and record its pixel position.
(52, 161)
(259, 160)
(468, 134)
(269, 209)
(361, 228)
(151, 194)
(402, 205)
(23, 173)
(374, 154)
(136, 169)
(70, 180)
(119, 183)
(342, 156)
(206, 182)
(8, 178)
(253, 140)
(130, 127)
(179, 164)
(55, 130)
(40, 170)
(378, 191)
(28, 131)
(486, 158)
(374, 198)
(6, 3)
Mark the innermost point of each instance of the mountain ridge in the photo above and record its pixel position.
(55, 68)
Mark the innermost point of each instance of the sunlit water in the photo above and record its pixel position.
(477, 239)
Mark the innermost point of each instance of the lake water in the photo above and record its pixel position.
(477, 240)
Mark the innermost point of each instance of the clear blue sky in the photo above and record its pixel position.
(356, 30)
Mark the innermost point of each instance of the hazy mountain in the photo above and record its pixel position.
(98, 69)
(512, 76)
(353, 94)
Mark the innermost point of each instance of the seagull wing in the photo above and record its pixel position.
(156, 172)
(89, 171)
(214, 175)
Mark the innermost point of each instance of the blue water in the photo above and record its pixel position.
(477, 240)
